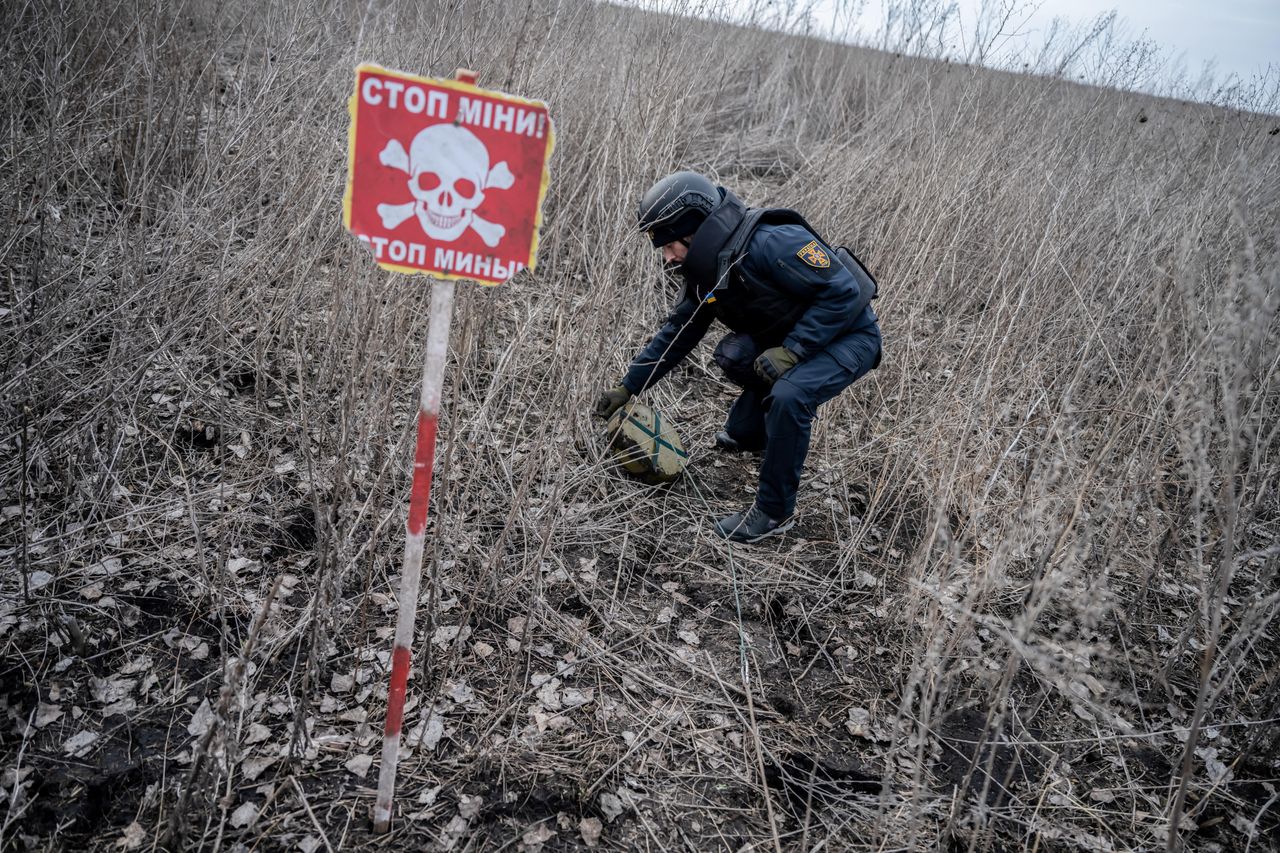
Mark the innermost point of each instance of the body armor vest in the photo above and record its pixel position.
(746, 304)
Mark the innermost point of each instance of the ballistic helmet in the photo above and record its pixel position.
(675, 206)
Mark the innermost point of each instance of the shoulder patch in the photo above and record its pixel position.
(814, 255)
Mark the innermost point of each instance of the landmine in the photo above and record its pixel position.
(645, 444)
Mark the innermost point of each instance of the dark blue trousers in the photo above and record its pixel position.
(779, 420)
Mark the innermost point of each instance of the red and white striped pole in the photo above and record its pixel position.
(419, 501)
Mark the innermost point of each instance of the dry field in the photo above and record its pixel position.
(1032, 600)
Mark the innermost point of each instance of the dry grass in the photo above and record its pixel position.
(1034, 590)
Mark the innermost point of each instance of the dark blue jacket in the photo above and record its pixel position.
(775, 283)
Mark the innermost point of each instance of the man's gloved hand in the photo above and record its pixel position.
(774, 362)
(612, 400)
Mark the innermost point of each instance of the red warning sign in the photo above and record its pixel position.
(445, 178)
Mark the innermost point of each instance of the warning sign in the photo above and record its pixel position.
(445, 178)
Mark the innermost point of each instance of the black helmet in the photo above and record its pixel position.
(675, 206)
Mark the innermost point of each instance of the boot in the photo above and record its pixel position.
(752, 526)
(729, 444)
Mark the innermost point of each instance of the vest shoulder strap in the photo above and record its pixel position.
(736, 245)
(767, 216)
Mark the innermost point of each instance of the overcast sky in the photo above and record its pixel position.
(1228, 37)
(1238, 36)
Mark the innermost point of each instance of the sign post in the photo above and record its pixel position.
(443, 179)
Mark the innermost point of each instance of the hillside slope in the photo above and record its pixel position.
(1032, 599)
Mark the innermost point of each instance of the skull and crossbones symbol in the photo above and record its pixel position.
(448, 169)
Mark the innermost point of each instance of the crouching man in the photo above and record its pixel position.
(801, 329)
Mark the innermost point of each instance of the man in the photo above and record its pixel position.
(801, 329)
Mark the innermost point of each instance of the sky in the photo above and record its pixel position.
(1238, 36)
(1228, 37)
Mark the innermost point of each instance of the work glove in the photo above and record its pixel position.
(612, 400)
(774, 362)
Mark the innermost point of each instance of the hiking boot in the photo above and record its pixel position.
(752, 526)
(729, 444)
